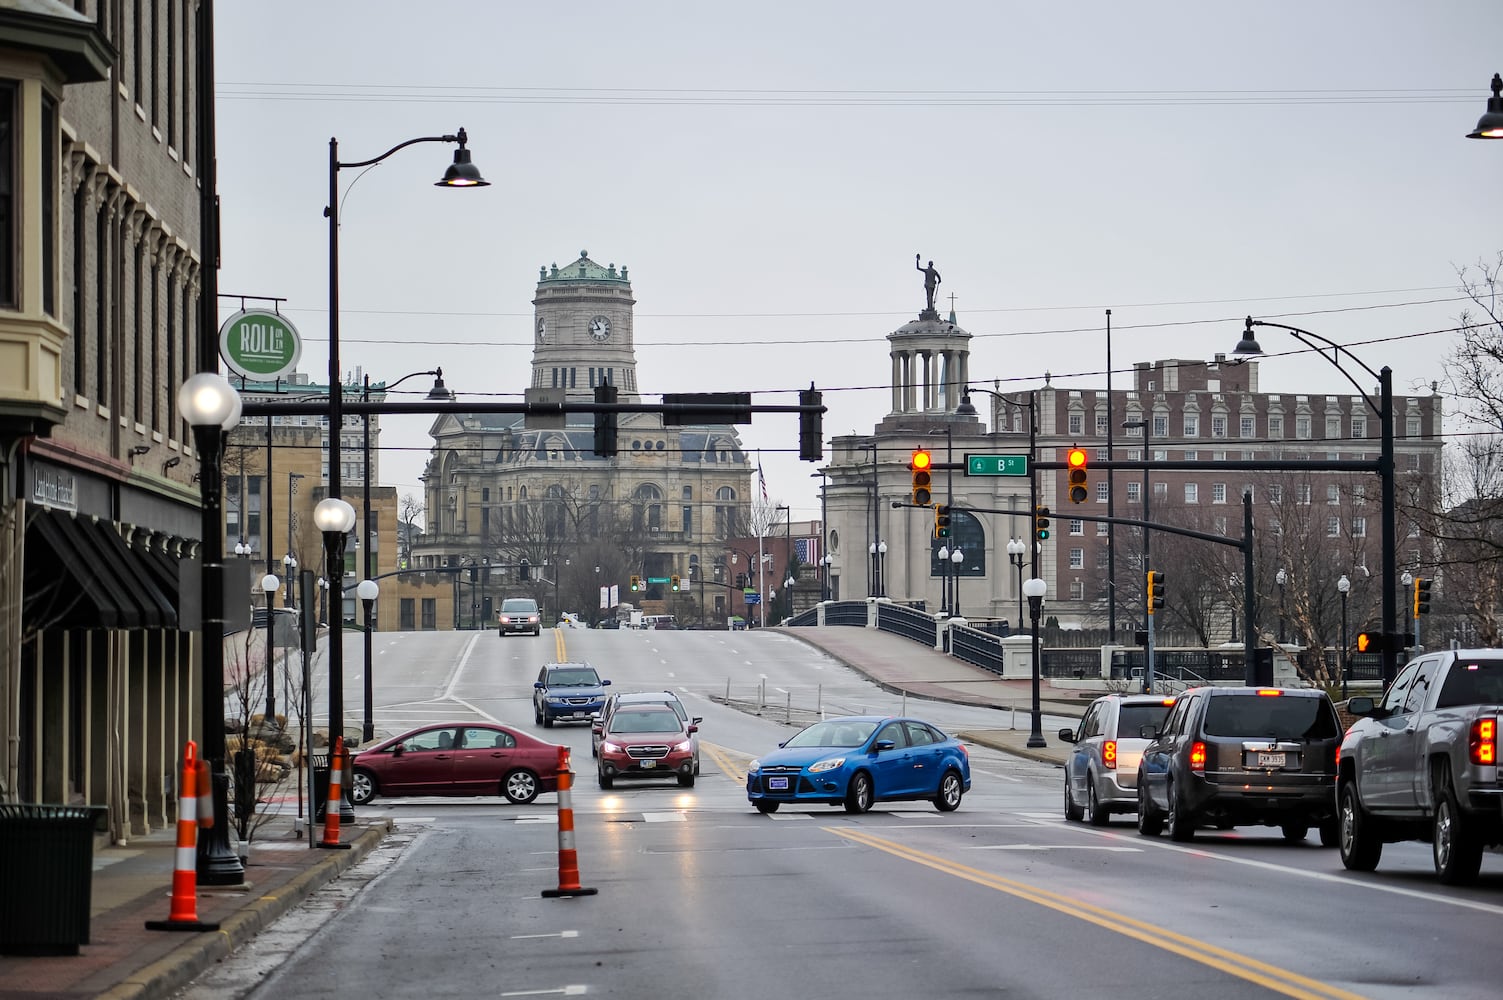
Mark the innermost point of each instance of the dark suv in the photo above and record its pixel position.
(567, 692)
(1235, 756)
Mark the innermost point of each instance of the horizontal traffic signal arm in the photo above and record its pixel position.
(1070, 515)
(319, 405)
(1240, 464)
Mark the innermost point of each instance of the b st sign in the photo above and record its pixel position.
(260, 345)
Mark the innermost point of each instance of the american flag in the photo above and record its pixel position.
(762, 480)
(806, 550)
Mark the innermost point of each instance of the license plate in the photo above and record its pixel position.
(777, 784)
(1270, 760)
(581, 715)
(648, 765)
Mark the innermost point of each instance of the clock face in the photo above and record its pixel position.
(542, 328)
(600, 328)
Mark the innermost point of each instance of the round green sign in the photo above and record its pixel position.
(259, 344)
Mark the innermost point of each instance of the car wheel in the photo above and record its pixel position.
(1456, 846)
(1330, 832)
(1073, 812)
(763, 806)
(537, 714)
(1360, 846)
(538, 630)
(547, 721)
(1180, 825)
(520, 787)
(686, 781)
(858, 795)
(1149, 821)
(362, 786)
(951, 789)
(1295, 832)
(605, 780)
(1096, 813)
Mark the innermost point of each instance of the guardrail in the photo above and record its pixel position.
(908, 623)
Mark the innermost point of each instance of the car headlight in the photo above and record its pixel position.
(556, 697)
(754, 766)
(828, 764)
(683, 747)
(608, 747)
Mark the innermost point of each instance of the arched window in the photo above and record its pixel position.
(725, 512)
(647, 511)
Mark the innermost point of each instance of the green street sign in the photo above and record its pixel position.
(657, 579)
(996, 465)
(259, 344)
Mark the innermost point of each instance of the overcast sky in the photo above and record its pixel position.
(768, 171)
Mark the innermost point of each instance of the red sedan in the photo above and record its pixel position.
(473, 758)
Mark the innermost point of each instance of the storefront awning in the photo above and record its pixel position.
(79, 573)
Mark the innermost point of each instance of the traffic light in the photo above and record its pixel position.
(1155, 591)
(811, 423)
(605, 423)
(1421, 596)
(1076, 460)
(941, 520)
(1041, 523)
(920, 465)
(1368, 642)
(636, 583)
(523, 569)
(673, 583)
(740, 581)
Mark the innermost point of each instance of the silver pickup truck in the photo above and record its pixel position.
(1421, 763)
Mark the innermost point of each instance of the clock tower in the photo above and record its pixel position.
(582, 329)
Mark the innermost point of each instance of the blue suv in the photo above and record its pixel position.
(567, 692)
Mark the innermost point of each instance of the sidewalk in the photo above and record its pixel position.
(131, 885)
(902, 665)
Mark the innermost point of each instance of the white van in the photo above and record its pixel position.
(658, 621)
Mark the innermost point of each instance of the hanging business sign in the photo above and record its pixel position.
(260, 345)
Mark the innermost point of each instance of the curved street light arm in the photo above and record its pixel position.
(459, 137)
(1331, 351)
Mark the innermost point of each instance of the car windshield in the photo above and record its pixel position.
(580, 677)
(645, 722)
(665, 700)
(519, 607)
(1273, 716)
(1132, 718)
(834, 733)
(1472, 682)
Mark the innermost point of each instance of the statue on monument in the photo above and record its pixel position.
(931, 282)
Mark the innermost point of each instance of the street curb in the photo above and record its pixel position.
(162, 978)
(1017, 751)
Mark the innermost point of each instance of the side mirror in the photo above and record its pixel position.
(882, 746)
(605, 684)
(697, 719)
(539, 685)
(1361, 705)
(1068, 735)
(596, 728)
(693, 728)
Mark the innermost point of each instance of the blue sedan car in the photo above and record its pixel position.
(861, 759)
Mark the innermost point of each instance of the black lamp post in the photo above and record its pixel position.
(1016, 548)
(212, 406)
(957, 558)
(334, 518)
(269, 585)
(368, 591)
(1034, 590)
(824, 576)
(289, 573)
(943, 555)
(1408, 581)
(1281, 578)
(1342, 587)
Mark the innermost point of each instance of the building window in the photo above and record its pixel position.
(1275, 493)
(1218, 426)
(1101, 425)
(1333, 494)
(1161, 491)
(1077, 526)
(1333, 527)
(1160, 425)
(1412, 427)
(1218, 524)
(1359, 427)
(1192, 425)
(1102, 529)
(1077, 423)
(1218, 493)
(1275, 426)
(1134, 492)
(1077, 558)
(1192, 456)
(8, 147)
(1192, 493)
(1101, 490)
(1359, 527)
(1249, 427)
(1302, 428)
(1077, 589)
(1303, 495)
(1333, 427)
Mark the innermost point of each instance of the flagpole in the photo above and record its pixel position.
(761, 529)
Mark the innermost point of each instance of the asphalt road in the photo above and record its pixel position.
(699, 896)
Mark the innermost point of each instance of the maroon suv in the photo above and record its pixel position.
(649, 741)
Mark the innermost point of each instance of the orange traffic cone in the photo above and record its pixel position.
(331, 804)
(182, 915)
(568, 861)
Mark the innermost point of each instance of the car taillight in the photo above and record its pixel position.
(1484, 741)
(1269, 692)
(1197, 756)
(1109, 753)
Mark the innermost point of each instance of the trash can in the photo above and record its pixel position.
(46, 877)
(320, 787)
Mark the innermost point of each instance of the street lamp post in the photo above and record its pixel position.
(323, 600)
(334, 518)
(1281, 578)
(1016, 547)
(1342, 586)
(943, 555)
(368, 591)
(289, 572)
(211, 406)
(956, 558)
(824, 576)
(1333, 352)
(1408, 581)
(1034, 590)
(269, 585)
(788, 592)
(882, 568)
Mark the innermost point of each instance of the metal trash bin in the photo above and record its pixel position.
(320, 787)
(46, 877)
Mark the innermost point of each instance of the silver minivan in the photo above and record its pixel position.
(1101, 776)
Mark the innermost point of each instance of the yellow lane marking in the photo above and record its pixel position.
(1233, 963)
(732, 763)
(558, 646)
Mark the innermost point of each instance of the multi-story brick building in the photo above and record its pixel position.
(100, 271)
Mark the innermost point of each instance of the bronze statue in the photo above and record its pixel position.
(931, 282)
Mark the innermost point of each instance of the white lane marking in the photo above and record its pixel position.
(1042, 816)
(567, 991)
(459, 668)
(664, 817)
(1057, 847)
(998, 777)
(784, 817)
(535, 820)
(560, 934)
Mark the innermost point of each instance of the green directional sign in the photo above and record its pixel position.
(996, 465)
(657, 579)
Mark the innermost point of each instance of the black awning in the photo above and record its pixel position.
(76, 577)
(160, 565)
